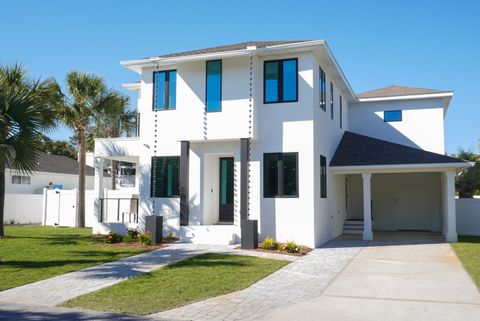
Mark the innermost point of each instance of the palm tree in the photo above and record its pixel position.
(24, 114)
(117, 120)
(86, 99)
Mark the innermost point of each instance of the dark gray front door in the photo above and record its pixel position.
(226, 190)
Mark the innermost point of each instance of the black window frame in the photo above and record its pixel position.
(152, 182)
(323, 176)
(206, 85)
(341, 111)
(331, 100)
(280, 81)
(166, 96)
(281, 175)
(392, 121)
(322, 78)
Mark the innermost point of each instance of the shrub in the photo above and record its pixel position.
(128, 238)
(113, 238)
(269, 244)
(170, 237)
(145, 238)
(291, 247)
(133, 234)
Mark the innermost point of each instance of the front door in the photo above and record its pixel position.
(226, 190)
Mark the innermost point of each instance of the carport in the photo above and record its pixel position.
(392, 187)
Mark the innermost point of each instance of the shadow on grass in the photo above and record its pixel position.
(28, 313)
(469, 239)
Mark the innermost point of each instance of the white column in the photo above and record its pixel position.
(450, 231)
(367, 208)
(98, 187)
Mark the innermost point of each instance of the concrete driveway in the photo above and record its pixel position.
(394, 280)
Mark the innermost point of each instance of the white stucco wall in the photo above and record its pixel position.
(402, 201)
(421, 127)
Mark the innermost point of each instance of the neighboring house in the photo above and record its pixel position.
(59, 170)
(272, 131)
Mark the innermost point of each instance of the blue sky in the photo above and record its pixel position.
(432, 44)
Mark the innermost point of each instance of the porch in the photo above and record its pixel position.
(391, 187)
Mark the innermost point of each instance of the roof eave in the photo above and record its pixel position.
(448, 94)
(399, 168)
(137, 64)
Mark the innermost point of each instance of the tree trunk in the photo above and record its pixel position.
(2, 199)
(114, 174)
(81, 179)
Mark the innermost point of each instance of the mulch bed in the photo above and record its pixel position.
(303, 250)
(166, 241)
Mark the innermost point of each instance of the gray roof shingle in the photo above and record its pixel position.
(231, 47)
(359, 150)
(60, 164)
(394, 90)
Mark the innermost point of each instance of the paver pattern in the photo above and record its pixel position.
(56, 290)
(300, 280)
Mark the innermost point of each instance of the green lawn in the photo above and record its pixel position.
(468, 250)
(38, 252)
(184, 282)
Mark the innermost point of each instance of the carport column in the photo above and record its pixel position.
(450, 232)
(98, 187)
(367, 208)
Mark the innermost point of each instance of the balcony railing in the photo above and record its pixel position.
(120, 209)
(116, 126)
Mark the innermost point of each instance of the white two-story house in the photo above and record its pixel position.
(272, 131)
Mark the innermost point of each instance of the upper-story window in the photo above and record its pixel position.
(323, 89)
(280, 81)
(213, 90)
(392, 115)
(341, 112)
(164, 89)
(331, 100)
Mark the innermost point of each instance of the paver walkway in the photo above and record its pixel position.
(56, 290)
(298, 281)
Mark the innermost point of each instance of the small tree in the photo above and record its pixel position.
(467, 183)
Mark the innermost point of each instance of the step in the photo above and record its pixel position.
(346, 231)
(352, 227)
(210, 234)
(354, 222)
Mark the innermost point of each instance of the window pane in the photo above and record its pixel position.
(270, 175)
(392, 115)
(271, 81)
(289, 80)
(341, 112)
(331, 100)
(322, 89)
(172, 176)
(323, 176)
(172, 89)
(159, 90)
(214, 85)
(290, 174)
(165, 177)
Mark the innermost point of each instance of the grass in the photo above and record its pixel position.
(184, 282)
(33, 253)
(468, 250)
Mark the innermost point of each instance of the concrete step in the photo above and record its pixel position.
(210, 234)
(346, 231)
(352, 227)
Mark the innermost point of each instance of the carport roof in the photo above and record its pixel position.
(359, 150)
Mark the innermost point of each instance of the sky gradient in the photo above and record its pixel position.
(431, 44)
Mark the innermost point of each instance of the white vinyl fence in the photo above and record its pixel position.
(468, 216)
(23, 208)
(60, 207)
